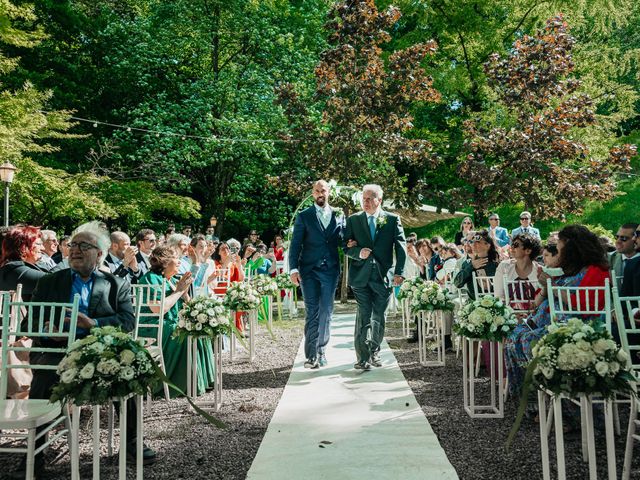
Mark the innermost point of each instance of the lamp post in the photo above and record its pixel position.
(213, 221)
(7, 170)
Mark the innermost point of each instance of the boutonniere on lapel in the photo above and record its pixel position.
(381, 221)
(337, 211)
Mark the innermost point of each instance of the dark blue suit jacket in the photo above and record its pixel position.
(311, 244)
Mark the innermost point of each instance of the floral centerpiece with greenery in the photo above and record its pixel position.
(284, 282)
(576, 358)
(106, 364)
(409, 288)
(430, 296)
(486, 318)
(242, 297)
(203, 317)
(265, 285)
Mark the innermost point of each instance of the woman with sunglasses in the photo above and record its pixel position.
(465, 227)
(483, 262)
(584, 264)
(520, 268)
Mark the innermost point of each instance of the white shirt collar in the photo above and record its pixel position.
(321, 210)
(375, 215)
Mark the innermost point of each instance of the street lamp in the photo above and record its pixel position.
(7, 170)
(213, 221)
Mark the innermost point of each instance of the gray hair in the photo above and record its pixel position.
(96, 229)
(47, 235)
(372, 187)
(118, 236)
(232, 242)
(175, 239)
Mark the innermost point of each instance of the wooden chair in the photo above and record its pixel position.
(36, 320)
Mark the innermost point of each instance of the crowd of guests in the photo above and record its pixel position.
(101, 267)
(573, 256)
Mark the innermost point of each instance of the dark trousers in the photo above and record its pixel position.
(319, 291)
(373, 300)
(44, 381)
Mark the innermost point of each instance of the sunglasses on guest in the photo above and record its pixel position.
(624, 238)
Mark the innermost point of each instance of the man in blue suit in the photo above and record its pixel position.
(498, 233)
(525, 226)
(314, 264)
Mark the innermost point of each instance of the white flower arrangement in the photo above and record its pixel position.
(580, 358)
(284, 281)
(265, 285)
(106, 364)
(486, 318)
(242, 297)
(409, 288)
(203, 317)
(429, 296)
(381, 221)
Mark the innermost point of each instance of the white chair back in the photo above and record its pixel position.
(280, 266)
(616, 280)
(222, 277)
(39, 321)
(628, 329)
(566, 302)
(482, 285)
(519, 295)
(147, 298)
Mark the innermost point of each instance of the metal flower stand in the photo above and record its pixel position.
(495, 407)
(431, 323)
(250, 334)
(589, 453)
(192, 372)
(122, 455)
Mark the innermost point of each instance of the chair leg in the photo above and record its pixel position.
(628, 450)
(31, 457)
(544, 435)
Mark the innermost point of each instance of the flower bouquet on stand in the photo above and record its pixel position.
(406, 291)
(204, 319)
(267, 287)
(243, 297)
(486, 318)
(284, 283)
(429, 296)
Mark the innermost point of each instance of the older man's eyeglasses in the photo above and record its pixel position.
(83, 246)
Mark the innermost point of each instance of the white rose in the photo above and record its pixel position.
(600, 346)
(87, 371)
(181, 323)
(499, 320)
(198, 326)
(579, 336)
(547, 372)
(622, 356)
(202, 318)
(486, 302)
(614, 367)
(68, 375)
(108, 367)
(602, 368)
(211, 312)
(107, 340)
(188, 326)
(127, 357)
(127, 373)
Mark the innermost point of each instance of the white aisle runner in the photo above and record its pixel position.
(339, 423)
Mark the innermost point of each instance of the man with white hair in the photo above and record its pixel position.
(105, 300)
(372, 236)
(121, 258)
(180, 243)
(50, 244)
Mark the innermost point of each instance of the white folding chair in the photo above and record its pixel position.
(482, 285)
(567, 301)
(149, 311)
(38, 320)
(629, 331)
(519, 295)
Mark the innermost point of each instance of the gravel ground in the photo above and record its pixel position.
(190, 448)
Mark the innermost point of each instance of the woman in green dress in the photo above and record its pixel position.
(164, 266)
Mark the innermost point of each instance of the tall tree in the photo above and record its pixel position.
(535, 155)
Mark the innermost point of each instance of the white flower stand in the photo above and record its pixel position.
(122, 455)
(431, 322)
(588, 441)
(495, 407)
(406, 317)
(270, 311)
(192, 372)
(250, 334)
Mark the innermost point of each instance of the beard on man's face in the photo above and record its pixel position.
(321, 201)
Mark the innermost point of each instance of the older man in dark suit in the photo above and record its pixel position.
(371, 239)
(315, 265)
(105, 299)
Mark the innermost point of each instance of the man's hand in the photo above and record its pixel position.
(129, 260)
(295, 278)
(397, 280)
(364, 253)
(352, 243)
(85, 322)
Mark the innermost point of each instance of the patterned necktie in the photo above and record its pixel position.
(372, 227)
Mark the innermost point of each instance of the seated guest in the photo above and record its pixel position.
(522, 267)
(625, 250)
(449, 255)
(253, 239)
(21, 250)
(278, 248)
(202, 267)
(180, 243)
(496, 232)
(411, 268)
(465, 227)
(483, 262)
(631, 280)
(49, 249)
(584, 264)
(164, 266)
(261, 262)
(104, 300)
(186, 231)
(427, 260)
(228, 269)
(525, 227)
(145, 241)
(121, 258)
